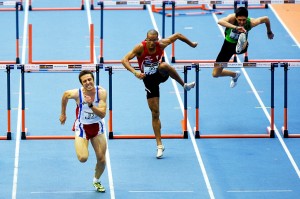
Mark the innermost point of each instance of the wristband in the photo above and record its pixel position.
(269, 33)
(91, 105)
(134, 73)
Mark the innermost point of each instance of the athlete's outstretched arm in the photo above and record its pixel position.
(261, 20)
(171, 39)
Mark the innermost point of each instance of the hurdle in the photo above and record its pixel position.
(255, 4)
(11, 3)
(30, 51)
(102, 7)
(81, 7)
(284, 128)
(17, 5)
(184, 134)
(46, 68)
(173, 59)
(192, 5)
(114, 5)
(8, 132)
(270, 129)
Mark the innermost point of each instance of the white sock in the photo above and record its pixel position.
(95, 180)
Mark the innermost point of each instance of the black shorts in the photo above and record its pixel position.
(227, 50)
(152, 84)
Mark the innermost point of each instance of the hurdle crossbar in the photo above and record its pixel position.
(8, 132)
(29, 68)
(284, 128)
(270, 129)
(184, 134)
(255, 4)
(30, 51)
(116, 7)
(17, 61)
(31, 8)
(18, 5)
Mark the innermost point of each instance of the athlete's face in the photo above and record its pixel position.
(151, 39)
(241, 20)
(87, 82)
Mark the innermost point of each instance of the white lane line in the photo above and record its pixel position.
(59, 192)
(19, 120)
(145, 191)
(259, 191)
(191, 134)
(108, 163)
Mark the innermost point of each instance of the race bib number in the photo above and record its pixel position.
(89, 116)
(234, 34)
(150, 69)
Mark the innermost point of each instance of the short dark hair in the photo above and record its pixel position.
(241, 11)
(85, 72)
(152, 32)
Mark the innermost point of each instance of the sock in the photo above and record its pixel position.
(95, 180)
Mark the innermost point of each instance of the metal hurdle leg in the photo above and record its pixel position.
(8, 67)
(110, 122)
(284, 129)
(101, 60)
(270, 129)
(8, 132)
(196, 130)
(285, 111)
(17, 32)
(23, 133)
(184, 126)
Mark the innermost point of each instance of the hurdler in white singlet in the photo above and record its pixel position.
(85, 114)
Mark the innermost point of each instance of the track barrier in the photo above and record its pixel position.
(30, 59)
(67, 68)
(255, 4)
(8, 132)
(16, 9)
(18, 5)
(81, 7)
(184, 134)
(270, 129)
(46, 68)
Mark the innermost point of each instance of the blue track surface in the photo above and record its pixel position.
(191, 168)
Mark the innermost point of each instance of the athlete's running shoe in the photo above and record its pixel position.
(233, 82)
(160, 150)
(189, 86)
(99, 187)
(240, 43)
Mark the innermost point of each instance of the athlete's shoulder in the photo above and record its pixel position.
(72, 93)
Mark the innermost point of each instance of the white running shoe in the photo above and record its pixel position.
(189, 86)
(160, 150)
(240, 43)
(233, 82)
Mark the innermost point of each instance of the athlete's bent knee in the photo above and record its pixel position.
(215, 74)
(82, 159)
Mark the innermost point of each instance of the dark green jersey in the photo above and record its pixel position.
(232, 35)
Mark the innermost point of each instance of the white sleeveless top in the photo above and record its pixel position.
(85, 115)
